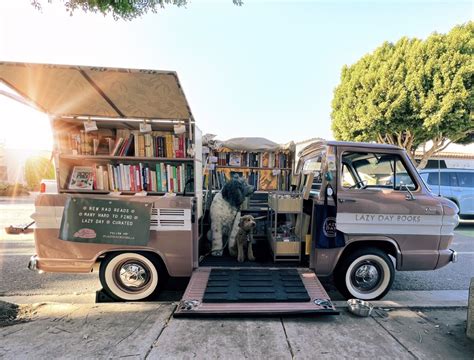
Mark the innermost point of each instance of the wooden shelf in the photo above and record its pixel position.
(124, 158)
(69, 191)
(124, 192)
(250, 167)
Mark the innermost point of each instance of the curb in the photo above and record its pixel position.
(395, 299)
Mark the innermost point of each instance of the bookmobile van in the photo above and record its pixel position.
(119, 132)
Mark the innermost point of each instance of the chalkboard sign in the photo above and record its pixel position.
(98, 221)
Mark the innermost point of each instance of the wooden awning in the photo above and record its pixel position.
(68, 90)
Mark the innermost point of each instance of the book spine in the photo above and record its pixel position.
(178, 178)
(153, 180)
(164, 179)
(100, 179)
(112, 177)
(131, 175)
(140, 173)
(168, 179)
(122, 177)
(145, 184)
(137, 178)
(159, 184)
(175, 180)
(118, 177)
(106, 180)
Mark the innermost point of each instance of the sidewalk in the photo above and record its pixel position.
(148, 330)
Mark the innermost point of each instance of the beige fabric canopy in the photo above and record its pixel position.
(63, 90)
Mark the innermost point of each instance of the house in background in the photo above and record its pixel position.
(453, 157)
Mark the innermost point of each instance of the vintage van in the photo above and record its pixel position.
(140, 232)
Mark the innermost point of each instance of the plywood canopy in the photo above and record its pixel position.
(64, 90)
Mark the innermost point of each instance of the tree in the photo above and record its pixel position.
(120, 9)
(36, 169)
(415, 94)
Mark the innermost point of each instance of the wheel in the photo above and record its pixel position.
(365, 274)
(131, 276)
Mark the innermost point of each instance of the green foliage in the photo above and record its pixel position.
(410, 92)
(121, 9)
(36, 169)
(13, 190)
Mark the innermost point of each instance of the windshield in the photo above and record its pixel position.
(375, 170)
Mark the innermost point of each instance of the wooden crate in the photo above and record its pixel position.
(281, 204)
(287, 247)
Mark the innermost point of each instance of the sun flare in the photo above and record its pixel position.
(23, 128)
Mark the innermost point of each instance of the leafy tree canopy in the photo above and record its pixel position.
(36, 169)
(414, 93)
(120, 9)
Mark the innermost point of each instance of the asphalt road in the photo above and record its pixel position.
(17, 280)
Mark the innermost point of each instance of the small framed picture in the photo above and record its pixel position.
(82, 178)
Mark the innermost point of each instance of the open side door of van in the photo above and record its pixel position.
(254, 291)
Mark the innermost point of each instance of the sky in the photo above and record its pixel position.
(266, 69)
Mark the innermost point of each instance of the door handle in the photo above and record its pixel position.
(431, 211)
(342, 200)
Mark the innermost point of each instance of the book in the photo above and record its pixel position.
(82, 178)
(118, 144)
(235, 159)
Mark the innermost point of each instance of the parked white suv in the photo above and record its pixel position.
(454, 184)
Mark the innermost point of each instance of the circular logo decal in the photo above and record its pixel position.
(329, 227)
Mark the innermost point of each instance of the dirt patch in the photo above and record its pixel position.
(11, 314)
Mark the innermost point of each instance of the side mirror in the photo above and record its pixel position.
(409, 196)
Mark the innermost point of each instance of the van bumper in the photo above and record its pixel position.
(33, 263)
(445, 257)
(454, 256)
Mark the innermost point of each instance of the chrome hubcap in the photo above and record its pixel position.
(366, 277)
(133, 275)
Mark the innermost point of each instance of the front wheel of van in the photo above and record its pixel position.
(365, 274)
(131, 276)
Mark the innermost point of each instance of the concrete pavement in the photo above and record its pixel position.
(394, 299)
(148, 330)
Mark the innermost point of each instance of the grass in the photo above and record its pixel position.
(466, 228)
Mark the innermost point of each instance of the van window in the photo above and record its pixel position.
(433, 178)
(313, 166)
(348, 179)
(372, 170)
(465, 179)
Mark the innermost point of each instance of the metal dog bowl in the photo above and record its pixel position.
(360, 307)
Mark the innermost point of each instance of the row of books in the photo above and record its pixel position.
(254, 159)
(125, 142)
(263, 180)
(158, 177)
(83, 143)
(154, 144)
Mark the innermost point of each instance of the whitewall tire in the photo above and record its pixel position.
(130, 276)
(365, 274)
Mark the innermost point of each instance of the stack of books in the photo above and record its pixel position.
(158, 177)
(125, 142)
(254, 159)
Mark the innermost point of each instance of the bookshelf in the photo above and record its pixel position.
(265, 170)
(117, 157)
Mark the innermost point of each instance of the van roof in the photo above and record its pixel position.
(363, 144)
(319, 144)
(445, 170)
